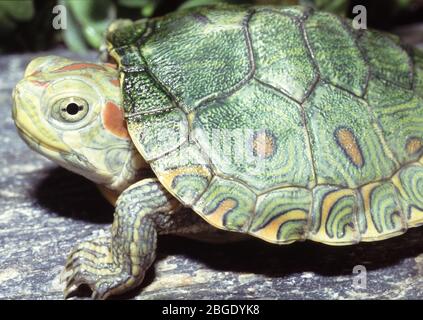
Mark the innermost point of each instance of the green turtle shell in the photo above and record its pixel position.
(283, 123)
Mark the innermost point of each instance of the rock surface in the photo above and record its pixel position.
(45, 211)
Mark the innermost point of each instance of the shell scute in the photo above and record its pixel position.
(334, 48)
(382, 216)
(327, 121)
(334, 216)
(279, 56)
(401, 123)
(208, 68)
(409, 183)
(227, 204)
(185, 172)
(387, 59)
(157, 134)
(341, 161)
(257, 136)
(282, 215)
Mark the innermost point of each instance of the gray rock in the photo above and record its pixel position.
(46, 210)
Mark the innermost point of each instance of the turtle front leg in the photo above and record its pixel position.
(114, 265)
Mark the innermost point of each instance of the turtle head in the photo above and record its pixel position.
(71, 113)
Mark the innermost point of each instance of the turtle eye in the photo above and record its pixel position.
(70, 109)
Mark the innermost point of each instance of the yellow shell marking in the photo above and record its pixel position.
(371, 231)
(269, 233)
(167, 177)
(348, 143)
(328, 203)
(416, 216)
(216, 216)
(263, 145)
(414, 145)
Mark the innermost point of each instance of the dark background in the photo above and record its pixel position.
(25, 25)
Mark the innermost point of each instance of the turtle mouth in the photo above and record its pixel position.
(37, 145)
(30, 127)
(53, 149)
(78, 163)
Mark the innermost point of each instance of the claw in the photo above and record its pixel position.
(71, 280)
(71, 286)
(103, 289)
(92, 264)
(68, 291)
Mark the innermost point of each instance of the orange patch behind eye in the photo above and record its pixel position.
(80, 66)
(114, 120)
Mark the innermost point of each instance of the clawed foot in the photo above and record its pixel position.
(91, 263)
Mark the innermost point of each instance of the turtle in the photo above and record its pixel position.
(280, 123)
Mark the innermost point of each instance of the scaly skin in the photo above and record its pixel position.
(112, 269)
(98, 147)
(328, 121)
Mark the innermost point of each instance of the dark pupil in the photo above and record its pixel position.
(73, 108)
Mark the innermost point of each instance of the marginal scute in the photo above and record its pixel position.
(185, 172)
(281, 215)
(282, 59)
(208, 68)
(227, 129)
(123, 32)
(297, 12)
(227, 204)
(382, 216)
(157, 134)
(325, 111)
(387, 59)
(333, 216)
(143, 95)
(128, 57)
(409, 183)
(337, 55)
